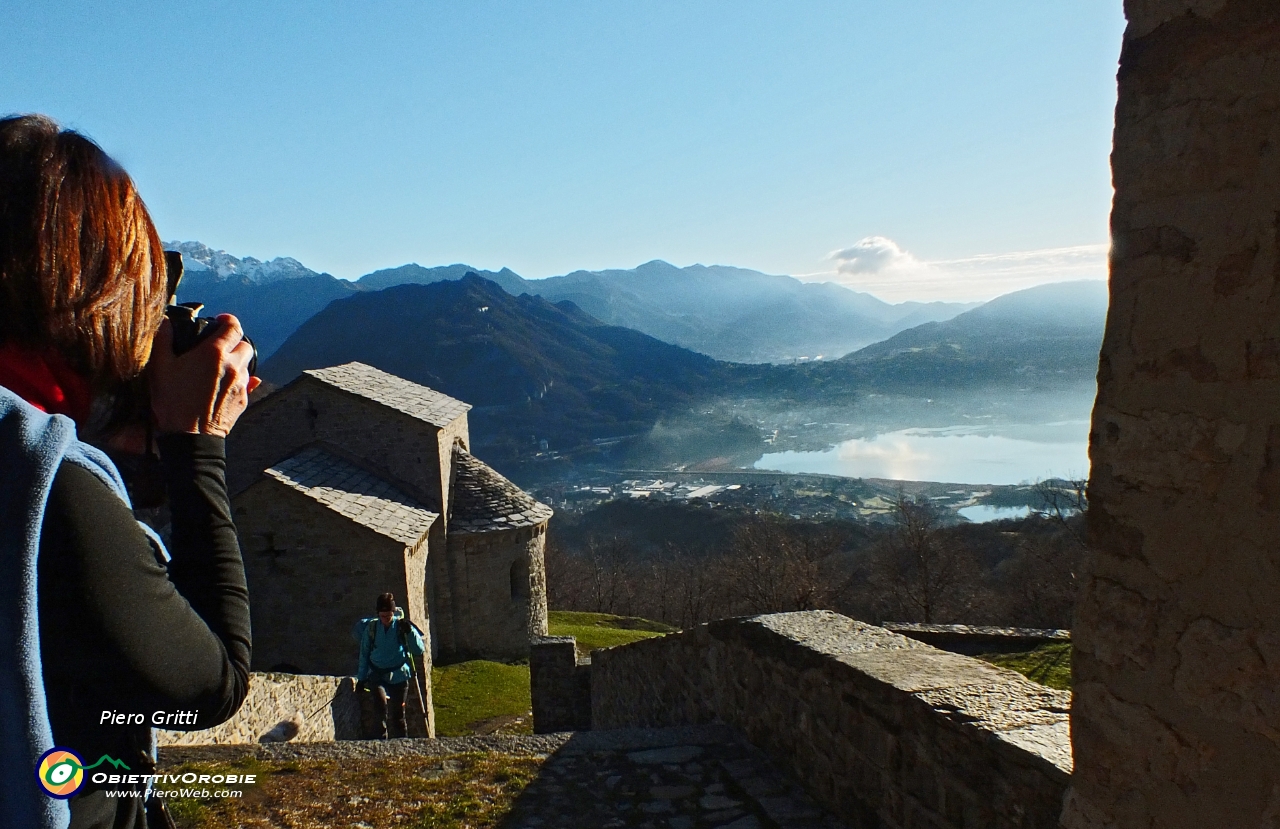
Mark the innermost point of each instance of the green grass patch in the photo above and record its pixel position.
(482, 697)
(468, 695)
(600, 630)
(465, 791)
(1048, 664)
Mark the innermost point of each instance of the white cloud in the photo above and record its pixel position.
(879, 266)
(873, 254)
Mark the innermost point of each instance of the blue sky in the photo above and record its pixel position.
(915, 149)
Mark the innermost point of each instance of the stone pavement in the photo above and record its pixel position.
(676, 778)
(704, 777)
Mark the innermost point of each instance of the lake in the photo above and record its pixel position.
(1010, 454)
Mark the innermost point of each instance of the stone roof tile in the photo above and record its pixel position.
(484, 501)
(417, 401)
(354, 494)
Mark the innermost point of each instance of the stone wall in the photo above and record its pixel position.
(560, 685)
(308, 411)
(1177, 634)
(490, 620)
(292, 708)
(882, 729)
(972, 640)
(443, 610)
(312, 574)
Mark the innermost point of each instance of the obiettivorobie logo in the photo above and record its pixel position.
(60, 771)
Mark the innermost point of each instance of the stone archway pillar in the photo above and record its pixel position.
(1176, 719)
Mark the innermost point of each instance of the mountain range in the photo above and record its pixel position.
(732, 314)
(532, 369)
(271, 299)
(1033, 335)
(537, 370)
(549, 360)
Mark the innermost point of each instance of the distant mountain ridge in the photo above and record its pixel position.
(730, 313)
(219, 265)
(415, 274)
(539, 370)
(1038, 332)
(733, 314)
(271, 299)
(532, 369)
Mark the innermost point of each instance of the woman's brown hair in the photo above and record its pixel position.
(81, 265)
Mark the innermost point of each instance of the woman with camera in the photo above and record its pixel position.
(101, 627)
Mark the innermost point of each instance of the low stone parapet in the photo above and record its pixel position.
(284, 708)
(882, 729)
(972, 640)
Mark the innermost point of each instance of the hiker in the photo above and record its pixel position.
(97, 625)
(388, 643)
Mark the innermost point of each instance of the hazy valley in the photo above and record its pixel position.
(558, 391)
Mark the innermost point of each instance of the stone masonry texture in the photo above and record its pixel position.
(1177, 634)
(409, 452)
(417, 401)
(312, 573)
(356, 494)
(485, 501)
(343, 454)
(283, 708)
(493, 619)
(560, 685)
(973, 640)
(883, 730)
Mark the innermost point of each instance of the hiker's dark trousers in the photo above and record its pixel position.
(388, 702)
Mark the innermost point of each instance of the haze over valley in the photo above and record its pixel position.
(732, 314)
(697, 368)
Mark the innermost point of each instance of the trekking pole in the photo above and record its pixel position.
(422, 697)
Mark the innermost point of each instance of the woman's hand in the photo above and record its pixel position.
(205, 390)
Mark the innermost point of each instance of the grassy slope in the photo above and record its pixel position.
(467, 694)
(1048, 664)
(600, 630)
(472, 696)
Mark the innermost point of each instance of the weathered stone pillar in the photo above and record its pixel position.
(559, 684)
(1176, 719)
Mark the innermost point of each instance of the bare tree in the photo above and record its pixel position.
(1065, 502)
(1036, 587)
(772, 569)
(1044, 573)
(919, 571)
(698, 586)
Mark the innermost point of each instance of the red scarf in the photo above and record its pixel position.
(45, 380)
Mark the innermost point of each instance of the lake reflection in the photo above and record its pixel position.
(983, 513)
(1018, 454)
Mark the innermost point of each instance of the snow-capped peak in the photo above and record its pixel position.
(198, 257)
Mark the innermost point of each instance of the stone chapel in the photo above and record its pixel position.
(349, 482)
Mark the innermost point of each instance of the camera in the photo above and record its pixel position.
(189, 328)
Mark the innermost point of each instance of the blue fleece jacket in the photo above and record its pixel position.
(32, 447)
(385, 657)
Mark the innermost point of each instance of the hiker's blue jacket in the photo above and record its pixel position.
(385, 651)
